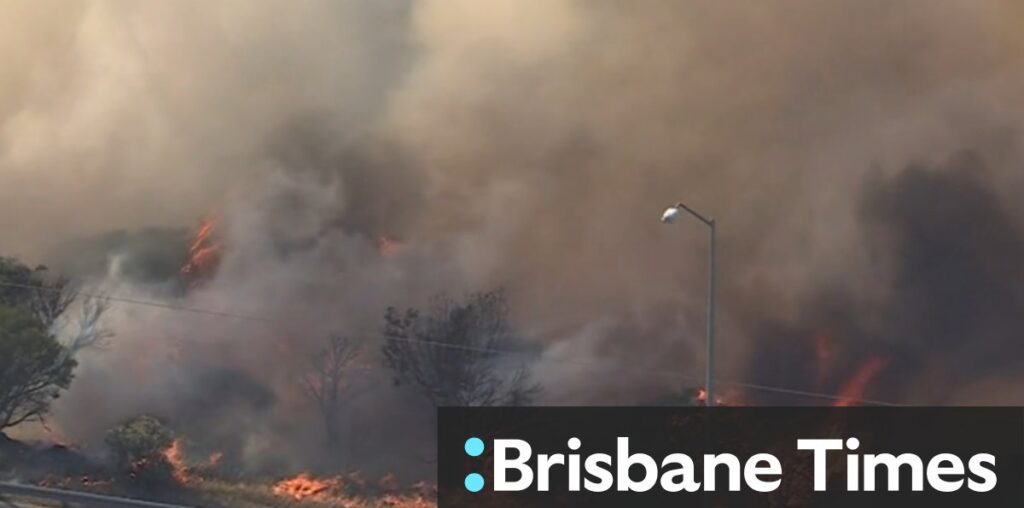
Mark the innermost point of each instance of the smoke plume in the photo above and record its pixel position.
(530, 146)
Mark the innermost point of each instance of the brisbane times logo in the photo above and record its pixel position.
(730, 457)
(515, 469)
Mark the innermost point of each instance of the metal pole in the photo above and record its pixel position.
(709, 391)
(709, 369)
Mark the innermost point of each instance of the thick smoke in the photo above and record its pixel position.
(942, 314)
(529, 145)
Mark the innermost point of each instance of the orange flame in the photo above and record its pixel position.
(825, 353)
(214, 459)
(701, 397)
(304, 486)
(204, 251)
(352, 490)
(178, 469)
(858, 385)
(415, 501)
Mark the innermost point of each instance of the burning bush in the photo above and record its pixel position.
(139, 447)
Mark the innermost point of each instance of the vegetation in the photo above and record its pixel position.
(324, 382)
(34, 368)
(139, 438)
(46, 298)
(138, 447)
(453, 354)
(214, 492)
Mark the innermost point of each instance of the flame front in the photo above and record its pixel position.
(858, 385)
(824, 351)
(304, 486)
(204, 251)
(214, 459)
(178, 469)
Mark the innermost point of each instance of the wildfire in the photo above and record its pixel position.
(178, 468)
(858, 385)
(214, 459)
(825, 353)
(304, 486)
(204, 251)
(357, 491)
(415, 501)
(701, 397)
(388, 483)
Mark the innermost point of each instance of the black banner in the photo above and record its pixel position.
(730, 457)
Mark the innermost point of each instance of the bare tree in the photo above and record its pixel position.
(46, 297)
(325, 381)
(89, 330)
(49, 298)
(453, 355)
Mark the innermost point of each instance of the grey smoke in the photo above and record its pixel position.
(530, 145)
(945, 308)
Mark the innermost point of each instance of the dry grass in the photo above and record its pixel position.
(249, 495)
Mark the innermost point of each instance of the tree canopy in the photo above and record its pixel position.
(32, 289)
(34, 367)
(455, 353)
(324, 381)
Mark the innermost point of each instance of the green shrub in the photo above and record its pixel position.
(138, 448)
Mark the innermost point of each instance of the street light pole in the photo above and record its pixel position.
(709, 378)
(670, 216)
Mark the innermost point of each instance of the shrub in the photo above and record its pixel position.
(138, 448)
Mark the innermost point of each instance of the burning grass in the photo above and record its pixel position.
(172, 454)
(301, 491)
(304, 487)
(199, 478)
(351, 490)
(304, 490)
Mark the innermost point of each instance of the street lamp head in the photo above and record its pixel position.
(670, 215)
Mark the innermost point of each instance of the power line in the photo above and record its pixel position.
(792, 391)
(739, 384)
(434, 343)
(136, 301)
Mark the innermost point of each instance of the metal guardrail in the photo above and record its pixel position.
(82, 498)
